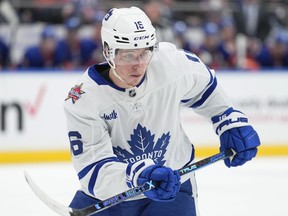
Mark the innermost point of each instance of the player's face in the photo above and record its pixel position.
(131, 64)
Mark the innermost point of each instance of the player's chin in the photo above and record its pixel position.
(135, 79)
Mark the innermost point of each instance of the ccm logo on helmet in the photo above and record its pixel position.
(141, 38)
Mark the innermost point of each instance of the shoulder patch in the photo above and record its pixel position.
(75, 93)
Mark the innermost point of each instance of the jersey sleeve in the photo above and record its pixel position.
(202, 91)
(100, 173)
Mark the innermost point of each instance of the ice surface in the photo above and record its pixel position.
(257, 188)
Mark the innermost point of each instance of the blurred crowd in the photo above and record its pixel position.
(244, 35)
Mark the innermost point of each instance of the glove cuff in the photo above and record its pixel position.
(229, 119)
(134, 170)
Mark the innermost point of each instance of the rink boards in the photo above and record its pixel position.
(33, 125)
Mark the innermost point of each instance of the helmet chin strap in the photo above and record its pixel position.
(112, 66)
(120, 78)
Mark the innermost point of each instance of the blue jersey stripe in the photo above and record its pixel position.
(84, 171)
(206, 94)
(94, 175)
(192, 58)
(210, 81)
(185, 101)
(211, 75)
(87, 169)
(188, 55)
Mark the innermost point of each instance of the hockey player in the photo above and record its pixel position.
(123, 120)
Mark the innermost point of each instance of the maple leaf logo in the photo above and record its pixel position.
(75, 93)
(142, 146)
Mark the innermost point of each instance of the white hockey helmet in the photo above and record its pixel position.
(126, 28)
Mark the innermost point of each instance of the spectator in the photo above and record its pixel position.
(97, 55)
(164, 31)
(275, 52)
(279, 15)
(45, 11)
(180, 29)
(227, 45)
(252, 19)
(84, 9)
(43, 54)
(74, 51)
(194, 35)
(167, 9)
(209, 52)
(4, 54)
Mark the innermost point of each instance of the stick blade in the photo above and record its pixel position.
(51, 203)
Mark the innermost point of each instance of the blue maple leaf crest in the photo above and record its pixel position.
(142, 146)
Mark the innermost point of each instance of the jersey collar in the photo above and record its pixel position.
(94, 73)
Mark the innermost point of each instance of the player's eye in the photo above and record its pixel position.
(128, 57)
(145, 54)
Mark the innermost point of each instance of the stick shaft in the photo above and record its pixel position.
(206, 161)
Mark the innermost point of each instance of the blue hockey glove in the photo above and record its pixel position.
(243, 140)
(235, 133)
(169, 182)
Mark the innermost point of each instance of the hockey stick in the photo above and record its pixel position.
(100, 206)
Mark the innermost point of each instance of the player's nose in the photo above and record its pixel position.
(136, 66)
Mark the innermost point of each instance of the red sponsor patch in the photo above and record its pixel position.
(75, 93)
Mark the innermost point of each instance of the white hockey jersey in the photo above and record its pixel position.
(109, 127)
